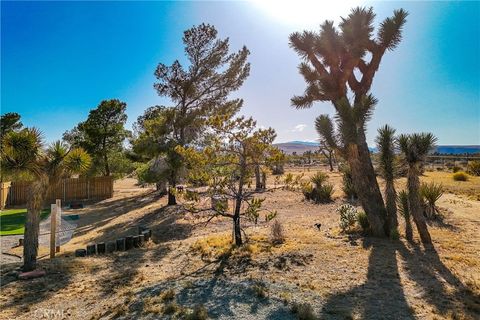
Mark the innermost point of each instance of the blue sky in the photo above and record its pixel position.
(60, 59)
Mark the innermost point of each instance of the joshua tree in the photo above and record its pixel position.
(321, 124)
(333, 58)
(388, 170)
(22, 153)
(415, 148)
(405, 212)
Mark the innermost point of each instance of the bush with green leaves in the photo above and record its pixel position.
(318, 190)
(473, 168)
(460, 176)
(362, 220)
(347, 183)
(348, 216)
(303, 311)
(456, 169)
(430, 193)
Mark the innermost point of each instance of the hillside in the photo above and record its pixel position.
(302, 146)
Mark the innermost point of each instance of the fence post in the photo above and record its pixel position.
(53, 230)
(58, 216)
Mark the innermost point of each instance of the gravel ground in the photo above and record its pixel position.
(7, 243)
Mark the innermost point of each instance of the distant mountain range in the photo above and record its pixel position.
(301, 146)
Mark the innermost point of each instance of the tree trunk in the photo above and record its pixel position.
(236, 223)
(107, 166)
(391, 206)
(258, 178)
(367, 187)
(172, 183)
(105, 158)
(330, 160)
(414, 203)
(172, 200)
(38, 192)
(408, 230)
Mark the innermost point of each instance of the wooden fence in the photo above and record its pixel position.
(97, 188)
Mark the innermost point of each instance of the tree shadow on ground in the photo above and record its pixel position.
(124, 266)
(110, 210)
(429, 272)
(25, 294)
(382, 295)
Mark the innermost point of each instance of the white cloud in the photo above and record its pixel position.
(299, 128)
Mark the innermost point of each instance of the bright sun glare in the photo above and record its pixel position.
(305, 12)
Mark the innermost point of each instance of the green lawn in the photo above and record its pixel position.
(12, 221)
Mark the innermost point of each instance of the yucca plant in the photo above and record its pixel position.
(319, 179)
(430, 193)
(386, 145)
(319, 191)
(347, 183)
(415, 147)
(23, 153)
(404, 211)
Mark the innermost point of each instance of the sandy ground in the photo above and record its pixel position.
(341, 276)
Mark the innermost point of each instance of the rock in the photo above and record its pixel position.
(136, 241)
(141, 229)
(80, 253)
(91, 249)
(146, 235)
(128, 243)
(141, 239)
(120, 244)
(33, 274)
(101, 248)
(110, 247)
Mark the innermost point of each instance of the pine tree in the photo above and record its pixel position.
(197, 92)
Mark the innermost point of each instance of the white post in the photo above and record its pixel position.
(53, 229)
(58, 213)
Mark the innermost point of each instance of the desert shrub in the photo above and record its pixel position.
(473, 168)
(278, 169)
(318, 190)
(260, 290)
(347, 183)
(460, 176)
(198, 313)
(292, 182)
(456, 169)
(171, 308)
(430, 193)
(168, 295)
(362, 220)
(303, 311)
(348, 215)
(319, 179)
(322, 194)
(277, 235)
(394, 234)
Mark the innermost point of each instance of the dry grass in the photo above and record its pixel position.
(343, 271)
